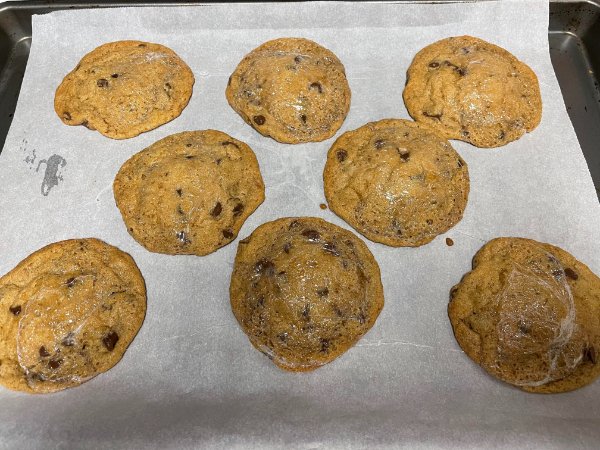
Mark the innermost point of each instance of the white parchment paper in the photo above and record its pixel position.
(191, 378)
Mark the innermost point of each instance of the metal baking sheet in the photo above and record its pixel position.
(191, 379)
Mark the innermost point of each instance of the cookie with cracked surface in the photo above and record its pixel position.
(68, 312)
(189, 193)
(529, 314)
(396, 182)
(124, 88)
(304, 291)
(291, 89)
(469, 89)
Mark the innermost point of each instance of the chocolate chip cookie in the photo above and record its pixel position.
(189, 193)
(291, 89)
(529, 314)
(468, 89)
(304, 291)
(68, 312)
(125, 88)
(396, 182)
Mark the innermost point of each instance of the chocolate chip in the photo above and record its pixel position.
(362, 318)
(331, 248)
(303, 118)
(379, 143)
(449, 242)
(297, 59)
(70, 282)
(501, 135)
(237, 210)
(110, 340)
(293, 224)
(54, 363)
(523, 328)
(182, 236)
(404, 155)
(324, 292)
(460, 163)
(102, 83)
(179, 191)
(306, 312)
(589, 354)
(434, 64)
(168, 86)
(141, 45)
(189, 156)
(570, 273)
(316, 86)
(465, 133)
(43, 352)
(66, 116)
(216, 211)
(461, 71)
(465, 50)
(16, 310)
(282, 337)
(311, 235)
(324, 345)
(337, 310)
(218, 161)
(227, 233)
(264, 267)
(341, 155)
(433, 116)
(287, 246)
(429, 222)
(188, 144)
(115, 75)
(224, 143)
(259, 120)
(68, 340)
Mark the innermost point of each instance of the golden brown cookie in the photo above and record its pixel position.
(189, 193)
(468, 89)
(68, 312)
(529, 314)
(125, 88)
(304, 291)
(291, 89)
(396, 182)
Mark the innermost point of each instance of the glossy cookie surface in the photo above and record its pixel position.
(304, 291)
(396, 182)
(291, 89)
(125, 88)
(68, 312)
(529, 314)
(469, 89)
(189, 193)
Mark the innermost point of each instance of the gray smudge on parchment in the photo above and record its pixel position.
(51, 175)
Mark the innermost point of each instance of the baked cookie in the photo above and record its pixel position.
(396, 182)
(304, 291)
(468, 89)
(68, 312)
(125, 88)
(189, 193)
(292, 90)
(529, 314)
